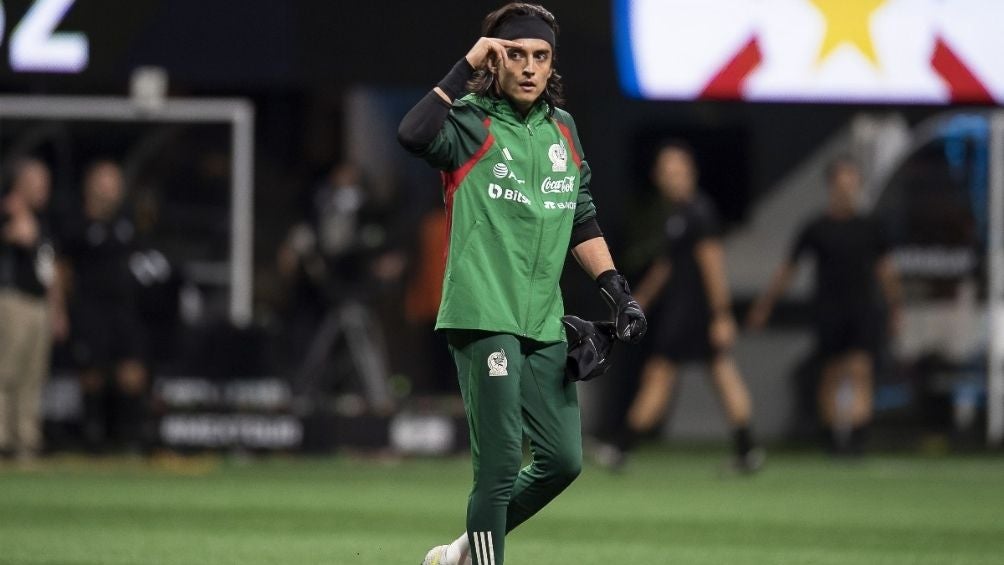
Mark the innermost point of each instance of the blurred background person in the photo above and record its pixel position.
(335, 263)
(688, 283)
(107, 338)
(422, 299)
(27, 267)
(856, 291)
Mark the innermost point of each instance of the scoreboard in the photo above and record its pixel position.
(94, 45)
(35, 45)
(871, 51)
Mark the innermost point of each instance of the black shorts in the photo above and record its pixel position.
(683, 333)
(839, 331)
(105, 333)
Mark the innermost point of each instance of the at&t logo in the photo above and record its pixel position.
(502, 171)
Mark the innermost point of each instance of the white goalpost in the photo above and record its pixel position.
(995, 286)
(884, 135)
(239, 113)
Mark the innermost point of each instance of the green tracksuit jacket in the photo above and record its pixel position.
(514, 188)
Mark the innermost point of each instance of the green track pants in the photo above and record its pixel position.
(514, 387)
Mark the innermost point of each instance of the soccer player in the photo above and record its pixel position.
(852, 264)
(107, 336)
(517, 198)
(696, 322)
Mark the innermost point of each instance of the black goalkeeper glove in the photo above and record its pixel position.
(629, 320)
(589, 347)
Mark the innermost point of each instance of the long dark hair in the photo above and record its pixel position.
(483, 83)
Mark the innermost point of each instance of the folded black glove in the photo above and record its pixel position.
(589, 347)
(629, 320)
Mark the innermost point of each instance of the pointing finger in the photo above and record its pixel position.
(509, 43)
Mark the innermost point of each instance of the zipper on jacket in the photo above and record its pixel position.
(540, 238)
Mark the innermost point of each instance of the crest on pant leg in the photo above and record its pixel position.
(497, 364)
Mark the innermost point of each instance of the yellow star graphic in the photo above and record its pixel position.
(847, 22)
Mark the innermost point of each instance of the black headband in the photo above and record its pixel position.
(525, 27)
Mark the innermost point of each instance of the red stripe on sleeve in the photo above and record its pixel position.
(452, 179)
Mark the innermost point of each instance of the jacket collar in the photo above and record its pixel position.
(502, 109)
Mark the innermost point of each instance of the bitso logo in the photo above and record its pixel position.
(556, 186)
(559, 158)
(495, 192)
(498, 364)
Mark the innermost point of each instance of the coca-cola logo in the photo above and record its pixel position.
(555, 186)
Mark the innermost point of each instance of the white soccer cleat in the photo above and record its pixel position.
(439, 555)
(436, 556)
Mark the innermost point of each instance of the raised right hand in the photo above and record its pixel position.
(489, 48)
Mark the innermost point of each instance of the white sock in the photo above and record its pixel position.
(458, 550)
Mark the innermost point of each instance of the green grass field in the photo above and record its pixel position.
(670, 507)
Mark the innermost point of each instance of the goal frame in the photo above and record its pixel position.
(237, 112)
(995, 286)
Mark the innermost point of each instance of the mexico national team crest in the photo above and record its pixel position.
(497, 364)
(559, 158)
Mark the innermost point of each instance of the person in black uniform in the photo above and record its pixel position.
(106, 339)
(854, 273)
(696, 322)
(26, 325)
